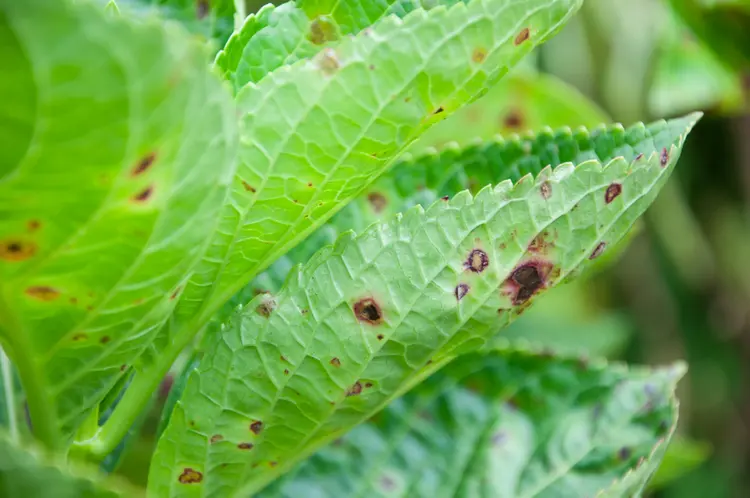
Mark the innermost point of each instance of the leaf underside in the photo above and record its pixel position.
(504, 424)
(118, 149)
(368, 318)
(315, 133)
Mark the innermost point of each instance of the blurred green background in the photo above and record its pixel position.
(681, 288)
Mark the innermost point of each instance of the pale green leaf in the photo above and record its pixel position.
(32, 472)
(368, 318)
(504, 424)
(118, 145)
(315, 133)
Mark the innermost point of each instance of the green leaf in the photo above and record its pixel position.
(32, 472)
(503, 424)
(118, 146)
(314, 134)
(520, 102)
(367, 319)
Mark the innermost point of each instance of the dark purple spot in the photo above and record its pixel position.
(599, 250)
(355, 390)
(144, 164)
(145, 194)
(624, 453)
(461, 291)
(546, 190)
(664, 157)
(477, 261)
(256, 427)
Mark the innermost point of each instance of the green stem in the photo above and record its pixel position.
(10, 396)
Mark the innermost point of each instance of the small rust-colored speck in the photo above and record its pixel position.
(144, 194)
(639, 157)
(144, 164)
(445, 198)
(598, 251)
(367, 310)
(612, 192)
(477, 261)
(513, 121)
(216, 438)
(175, 293)
(123, 368)
(73, 300)
(272, 464)
(248, 187)
(664, 157)
(540, 243)
(43, 293)
(377, 201)
(355, 390)
(460, 291)
(283, 358)
(522, 36)
(33, 225)
(190, 476)
(105, 339)
(380, 337)
(256, 427)
(546, 190)
(368, 385)
(16, 250)
(335, 362)
(438, 110)
(479, 55)
(245, 446)
(191, 423)
(79, 337)
(286, 371)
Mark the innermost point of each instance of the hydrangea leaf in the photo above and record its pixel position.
(31, 471)
(504, 424)
(370, 317)
(118, 148)
(315, 133)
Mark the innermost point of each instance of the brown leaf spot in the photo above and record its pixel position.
(256, 427)
(105, 339)
(123, 368)
(144, 164)
(355, 390)
(175, 293)
(639, 157)
(526, 280)
(144, 194)
(190, 476)
(445, 198)
(380, 337)
(43, 293)
(272, 464)
(73, 300)
(16, 250)
(540, 244)
(624, 453)
(327, 61)
(79, 337)
(367, 310)
(438, 110)
(248, 187)
(522, 36)
(245, 446)
(460, 291)
(598, 251)
(33, 225)
(322, 30)
(477, 261)
(368, 385)
(612, 192)
(335, 362)
(546, 190)
(286, 371)
(216, 438)
(265, 308)
(479, 55)
(513, 120)
(377, 201)
(664, 157)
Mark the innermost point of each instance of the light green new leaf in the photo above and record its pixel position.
(368, 318)
(315, 133)
(502, 425)
(117, 149)
(32, 472)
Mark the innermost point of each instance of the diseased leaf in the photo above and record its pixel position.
(315, 133)
(31, 472)
(367, 319)
(118, 149)
(505, 424)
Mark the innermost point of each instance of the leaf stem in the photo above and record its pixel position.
(10, 395)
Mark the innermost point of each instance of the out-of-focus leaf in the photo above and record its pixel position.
(505, 424)
(370, 317)
(31, 472)
(118, 147)
(520, 102)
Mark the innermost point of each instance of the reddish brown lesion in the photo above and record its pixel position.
(367, 310)
(522, 36)
(256, 427)
(355, 390)
(16, 250)
(42, 293)
(144, 164)
(190, 476)
(527, 279)
(613, 191)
